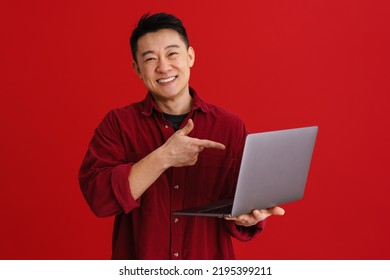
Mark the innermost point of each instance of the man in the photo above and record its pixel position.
(170, 151)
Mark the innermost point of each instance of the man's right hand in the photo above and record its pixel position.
(182, 150)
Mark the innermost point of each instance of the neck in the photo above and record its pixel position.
(176, 106)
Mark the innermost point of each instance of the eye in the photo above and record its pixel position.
(172, 54)
(149, 59)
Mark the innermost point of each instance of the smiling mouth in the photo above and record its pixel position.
(166, 80)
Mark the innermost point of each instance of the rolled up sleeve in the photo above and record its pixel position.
(244, 233)
(104, 172)
(121, 187)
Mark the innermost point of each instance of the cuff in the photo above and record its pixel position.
(121, 187)
(244, 233)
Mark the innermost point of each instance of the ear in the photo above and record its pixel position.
(191, 56)
(136, 69)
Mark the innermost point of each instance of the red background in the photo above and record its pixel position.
(277, 64)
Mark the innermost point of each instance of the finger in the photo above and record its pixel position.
(241, 218)
(279, 211)
(257, 215)
(187, 128)
(236, 219)
(210, 144)
(244, 220)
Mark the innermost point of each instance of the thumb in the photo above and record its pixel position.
(277, 211)
(187, 128)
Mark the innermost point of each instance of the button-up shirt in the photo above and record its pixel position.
(145, 228)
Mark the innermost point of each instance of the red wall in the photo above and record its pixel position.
(277, 64)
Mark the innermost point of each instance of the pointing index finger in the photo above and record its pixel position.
(210, 144)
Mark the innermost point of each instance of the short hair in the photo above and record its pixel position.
(152, 23)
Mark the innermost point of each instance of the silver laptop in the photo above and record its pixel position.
(274, 170)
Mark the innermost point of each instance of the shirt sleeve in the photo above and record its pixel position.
(104, 172)
(244, 233)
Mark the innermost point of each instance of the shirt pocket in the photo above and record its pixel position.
(217, 177)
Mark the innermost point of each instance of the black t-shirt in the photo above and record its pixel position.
(175, 120)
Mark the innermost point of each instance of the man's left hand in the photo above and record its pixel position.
(256, 216)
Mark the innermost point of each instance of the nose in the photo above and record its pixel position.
(163, 66)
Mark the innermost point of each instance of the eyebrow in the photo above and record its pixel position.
(167, 47)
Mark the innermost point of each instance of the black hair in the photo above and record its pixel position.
(152, 23)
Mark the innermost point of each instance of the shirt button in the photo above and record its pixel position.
(176, 187)
(176, 220)
(166, 126)
(176, 254)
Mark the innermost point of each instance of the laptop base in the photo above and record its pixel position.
(220, 209)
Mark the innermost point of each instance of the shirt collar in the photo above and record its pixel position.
(198, 103)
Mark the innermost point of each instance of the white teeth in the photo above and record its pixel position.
(167, 80)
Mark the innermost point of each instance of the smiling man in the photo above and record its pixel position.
(170, 151)
(163, 62)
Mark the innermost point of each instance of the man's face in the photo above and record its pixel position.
(163, 63)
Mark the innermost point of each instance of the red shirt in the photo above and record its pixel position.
(145, 228)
